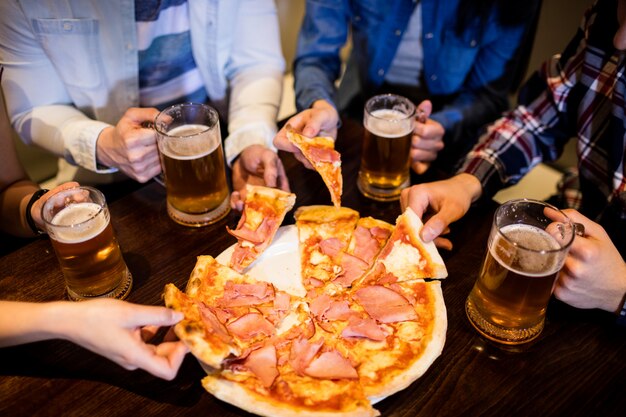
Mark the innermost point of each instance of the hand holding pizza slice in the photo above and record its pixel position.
(320, 152)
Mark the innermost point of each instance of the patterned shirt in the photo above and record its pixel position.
(167, 69)
(579, 93)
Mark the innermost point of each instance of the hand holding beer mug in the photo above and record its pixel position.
(528, 244)
(190, 146)
(389, 121)
(79, 225)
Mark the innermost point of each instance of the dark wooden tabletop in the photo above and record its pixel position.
(576, 368)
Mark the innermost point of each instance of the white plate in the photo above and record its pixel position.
(279, 264)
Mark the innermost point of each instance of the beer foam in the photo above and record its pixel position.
(526, 258)
(189, 142)
(74, 224)
(389, 123)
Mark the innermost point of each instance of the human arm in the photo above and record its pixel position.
(254, 72)
(108, 327)
(441, 203)
(317, 65)
(594, 273)
(256, 165)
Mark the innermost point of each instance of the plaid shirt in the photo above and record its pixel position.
(579, 93)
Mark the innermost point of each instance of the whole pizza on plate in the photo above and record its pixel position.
(337, 313)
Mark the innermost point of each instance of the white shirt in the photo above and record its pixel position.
(71, 69)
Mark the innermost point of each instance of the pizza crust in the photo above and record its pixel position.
(237, 395)
(433, 350)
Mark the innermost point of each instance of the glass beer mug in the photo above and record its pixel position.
(527, 246)
(192, 159)
(79, 225)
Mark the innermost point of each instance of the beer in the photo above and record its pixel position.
(190, 148)
(388, 123)
(515, 283)
(194, 170)
(386, 146)
(88, 252)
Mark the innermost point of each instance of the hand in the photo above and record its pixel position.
(427, 139)
(131, 147)
(441, 203)
(594, 273)
(113, 329)
(321, 119)
(35, 210)
(256, 165)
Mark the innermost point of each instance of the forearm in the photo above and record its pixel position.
(13, 202)
(22, 322)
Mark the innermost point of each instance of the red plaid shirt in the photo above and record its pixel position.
(579, 93)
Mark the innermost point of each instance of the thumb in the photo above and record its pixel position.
(433, 228)
(152, 315)
(314, 124)
(423, 111)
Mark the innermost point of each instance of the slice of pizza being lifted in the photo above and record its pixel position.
(320, 152)
(406, 256)
(263, 212)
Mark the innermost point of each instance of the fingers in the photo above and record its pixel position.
(162, 361)
(140, 316)
(138, 115)
(236, 201)
(423, 111)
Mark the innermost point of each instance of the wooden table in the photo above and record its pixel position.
(577, 367)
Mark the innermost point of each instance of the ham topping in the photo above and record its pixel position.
(331, 246)
(262, 363)
(385, 305)
(365, 328)
(324, 154)
(212, 324)
(302, 353)
(236, 295)
(331, 365)
(352, 268)
(258, 236)
(367, 246)
(251, 325)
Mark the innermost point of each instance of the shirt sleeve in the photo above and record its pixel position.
(536, 130)
(317, 66)
(255, 71)
(38, 104)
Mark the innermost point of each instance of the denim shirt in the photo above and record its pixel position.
(71, 69)
(473, 69)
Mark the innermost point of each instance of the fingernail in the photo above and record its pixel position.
(178, 316)
(427, 234)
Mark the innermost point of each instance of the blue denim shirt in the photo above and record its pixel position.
(472, 70)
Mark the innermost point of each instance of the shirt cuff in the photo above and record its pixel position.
(82, 150)
(252, 134)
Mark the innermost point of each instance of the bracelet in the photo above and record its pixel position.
(29, 218)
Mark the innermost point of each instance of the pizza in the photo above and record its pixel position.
(324, 232)
(371, 321)
(320, 152)
(263, 212)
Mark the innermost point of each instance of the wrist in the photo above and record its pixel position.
(472, 185)
(28, 211)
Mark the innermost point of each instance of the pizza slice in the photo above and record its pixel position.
(368, 238)
(320, 152)
(406, 256)
(324, 232)
(226, 312)
(263, 212)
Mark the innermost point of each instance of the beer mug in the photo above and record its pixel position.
(79, 225)
(192, 158)
(388, 122)
(527, 246)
